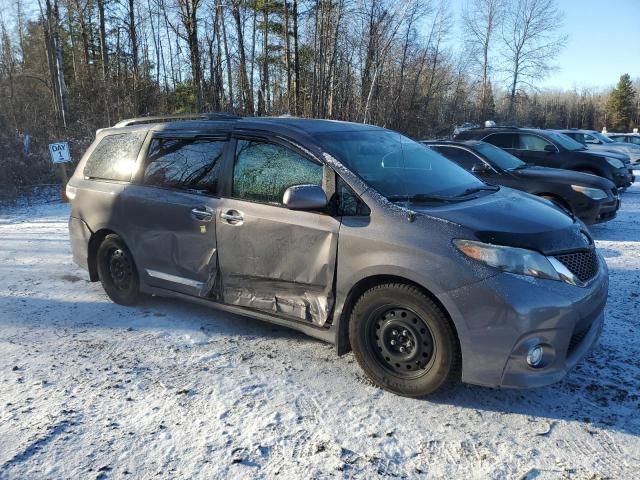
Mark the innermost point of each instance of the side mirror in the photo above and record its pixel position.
(480, 167)
(550, 148)
(304, 197)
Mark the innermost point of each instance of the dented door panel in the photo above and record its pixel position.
(174, 247)
(277, 260)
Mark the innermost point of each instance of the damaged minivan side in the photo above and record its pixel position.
(350, 233)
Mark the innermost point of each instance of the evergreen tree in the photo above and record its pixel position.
(620, 105)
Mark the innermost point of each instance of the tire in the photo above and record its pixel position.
(117, 271)
(403, 314)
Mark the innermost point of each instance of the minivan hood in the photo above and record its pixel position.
(516, 219)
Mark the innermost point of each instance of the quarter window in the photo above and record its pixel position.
(184, 163)
(349, 205)
(263, 171)
(114, 158)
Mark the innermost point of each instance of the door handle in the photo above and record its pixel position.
(232, 216)
(202, 213)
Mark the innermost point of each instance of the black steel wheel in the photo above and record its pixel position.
(403, 340)
(117, 271)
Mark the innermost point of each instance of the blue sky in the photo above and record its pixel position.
(604, 42)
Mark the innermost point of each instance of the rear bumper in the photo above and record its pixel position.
(79, 234)
(499, 319)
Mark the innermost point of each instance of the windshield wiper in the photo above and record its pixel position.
(420, 197)
(469, 191)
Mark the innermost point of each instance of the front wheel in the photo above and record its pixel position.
(403, 340)
(117, 271)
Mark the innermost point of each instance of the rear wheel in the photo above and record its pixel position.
(403, 340)
(117, 271)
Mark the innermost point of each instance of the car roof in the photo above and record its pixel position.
(214, 121)
(576, 130)
(484, 131)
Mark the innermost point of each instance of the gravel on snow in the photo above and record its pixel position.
(166, 389)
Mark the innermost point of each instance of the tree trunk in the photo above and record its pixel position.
(247, 100)
(296, 61)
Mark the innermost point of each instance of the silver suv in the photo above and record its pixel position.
(353, 234)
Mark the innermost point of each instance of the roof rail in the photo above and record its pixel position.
(182, 117)
(493, 126)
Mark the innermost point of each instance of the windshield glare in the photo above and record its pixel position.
(397, 166)
(566, 141)
(499, 157)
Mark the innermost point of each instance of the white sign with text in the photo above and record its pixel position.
(60, 152)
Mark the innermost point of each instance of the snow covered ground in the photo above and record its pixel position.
(89, 389)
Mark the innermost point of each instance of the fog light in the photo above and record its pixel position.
(534, 357)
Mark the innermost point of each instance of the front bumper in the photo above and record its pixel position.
(623, 177)
(500, 318)
(597, 211)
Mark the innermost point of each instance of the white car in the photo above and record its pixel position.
(597, 141)
(630, 138)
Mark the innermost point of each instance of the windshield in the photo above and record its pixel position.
(396, 166)
(499, 157)
(601, 137)
(565, 141)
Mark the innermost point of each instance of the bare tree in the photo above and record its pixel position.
(189, 17)
(481, 19)
(531, 37)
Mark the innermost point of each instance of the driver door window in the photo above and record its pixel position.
(263, 171)
(532, 143)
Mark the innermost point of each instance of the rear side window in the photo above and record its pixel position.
(115, 157)
(462, 157)
(263, 171)
(502, 140)
(184, 163)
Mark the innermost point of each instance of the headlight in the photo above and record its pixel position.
(594, 193)
(614, 162)
(509, 259)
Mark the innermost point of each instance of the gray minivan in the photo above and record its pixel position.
(351, 233)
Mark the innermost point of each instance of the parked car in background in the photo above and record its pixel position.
(627, 138)
(350, 233)
(550, 149)
(594, 140)
(591, 198)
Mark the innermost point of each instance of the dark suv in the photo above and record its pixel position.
(550, 149)
(351, 233)
(591, 198)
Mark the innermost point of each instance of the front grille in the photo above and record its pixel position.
(583, 265)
